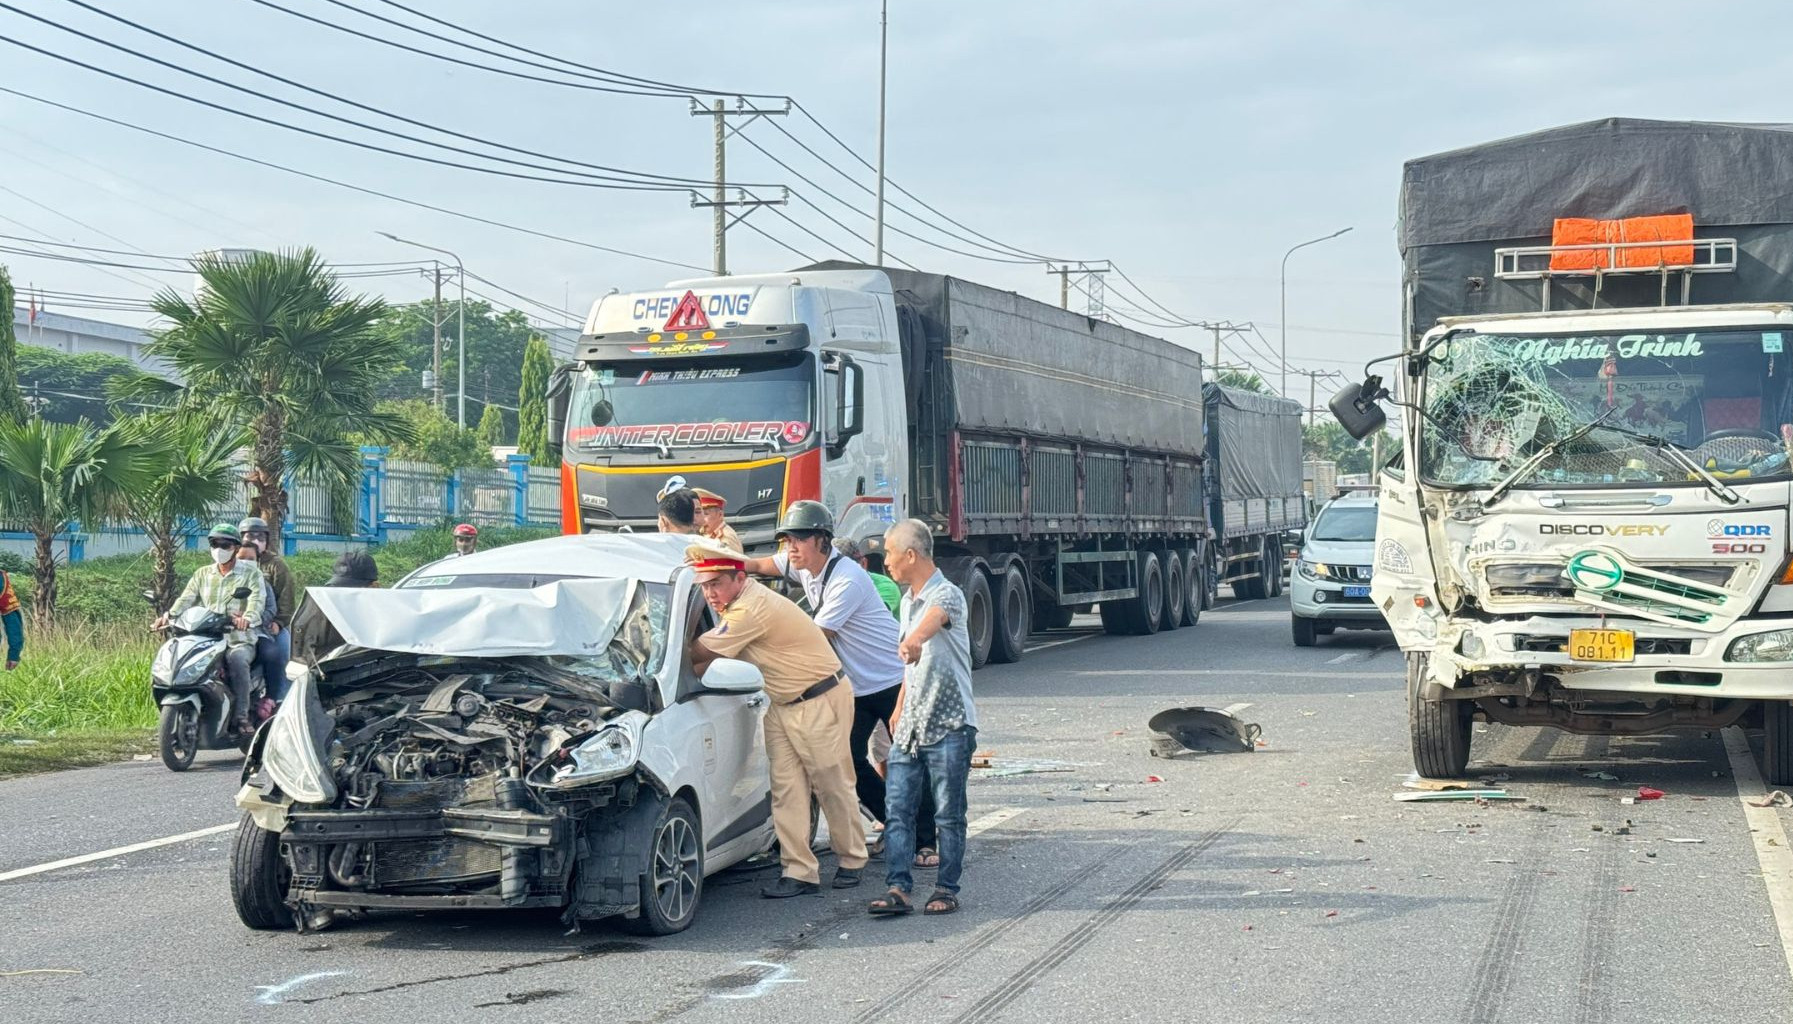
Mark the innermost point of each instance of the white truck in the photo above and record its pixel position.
(1589, 527)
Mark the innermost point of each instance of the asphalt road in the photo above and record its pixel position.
(1279, 885)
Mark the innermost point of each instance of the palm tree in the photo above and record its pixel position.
(195, 482)
(275, 341)
(52, 474)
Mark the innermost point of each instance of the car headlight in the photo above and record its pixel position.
(1313, 570)
(1392, 556)
(609, 753)
(1773, 646)
(290, 755)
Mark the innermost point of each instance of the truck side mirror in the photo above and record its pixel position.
(1357, 408)
(849, 402)
(560, 393)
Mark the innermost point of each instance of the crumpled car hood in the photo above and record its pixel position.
(566, 617)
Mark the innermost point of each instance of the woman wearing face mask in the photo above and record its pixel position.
(214, 587)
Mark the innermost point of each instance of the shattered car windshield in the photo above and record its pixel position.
(1494, 401)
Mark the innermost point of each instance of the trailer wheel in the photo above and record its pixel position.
(1195, 587)
(1146, 610)
(1050, 615)
(1777, 742)
(1116, 617)
(1258, 587)
(1011, 623)
(1176, 589)
(1440, 729)
(978, 615)
(1273, 560)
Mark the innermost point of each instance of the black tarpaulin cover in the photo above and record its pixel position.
(1256, 440)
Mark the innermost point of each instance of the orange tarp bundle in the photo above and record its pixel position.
(1673, 227)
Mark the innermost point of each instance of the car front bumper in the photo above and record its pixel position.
(1311, 599)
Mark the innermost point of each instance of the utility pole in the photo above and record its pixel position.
(1092, 286)
(436, 335)
(883, 63)
(1313, 388)
(719, 201)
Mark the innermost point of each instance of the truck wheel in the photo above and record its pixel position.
(1273, 559)
(1146, 610)
(1047, 615)
(1440, 729)
(258, 878)
(978, 615)
(1777, 742)
(1304, 631)
(1116, 617)
(1176, 590)
(1195, 588)
(1012, 606)
(1256, 588)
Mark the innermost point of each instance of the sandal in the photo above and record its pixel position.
(894, 903)
(927, 857)
(946, 901)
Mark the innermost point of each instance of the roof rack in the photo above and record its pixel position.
(1533, 263)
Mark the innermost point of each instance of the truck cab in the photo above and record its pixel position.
(766, 389)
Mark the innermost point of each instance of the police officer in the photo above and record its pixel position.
(712, 521)
(807, 725)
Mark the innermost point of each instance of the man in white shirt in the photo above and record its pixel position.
(846, 604)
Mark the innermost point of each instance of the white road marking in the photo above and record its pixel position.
(1060, 643)
(1772, 852)
(1236, 672)
(120, 851)
(274, 995)
(991, 820)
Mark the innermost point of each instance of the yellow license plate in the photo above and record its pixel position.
(1602, 644)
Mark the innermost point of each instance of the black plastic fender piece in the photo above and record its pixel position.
(1176, 731)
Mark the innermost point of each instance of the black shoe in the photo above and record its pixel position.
(846, 878)
(786, 887)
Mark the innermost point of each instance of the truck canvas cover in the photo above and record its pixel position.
(1458, 207)
(1255, 441)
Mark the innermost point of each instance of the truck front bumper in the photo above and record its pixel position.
(1668, 661)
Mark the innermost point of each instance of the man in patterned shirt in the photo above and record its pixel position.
(936, 727)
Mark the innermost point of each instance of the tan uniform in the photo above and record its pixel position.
(808, 744)
(728, 538)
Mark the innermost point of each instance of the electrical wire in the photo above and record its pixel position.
(343, 184)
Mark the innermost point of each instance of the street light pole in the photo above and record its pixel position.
(460, 370)
(883, 63)
(1284, 315)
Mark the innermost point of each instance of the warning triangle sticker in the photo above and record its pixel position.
(688, 315)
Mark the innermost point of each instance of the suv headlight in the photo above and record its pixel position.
(1759, 647)
(1315, 571)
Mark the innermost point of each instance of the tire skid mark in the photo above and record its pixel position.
(1593, 992)
(1018, 983)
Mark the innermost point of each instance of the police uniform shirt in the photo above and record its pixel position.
(790, 651)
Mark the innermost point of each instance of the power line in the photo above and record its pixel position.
(343, 184)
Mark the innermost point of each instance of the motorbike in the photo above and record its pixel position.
(188, 679)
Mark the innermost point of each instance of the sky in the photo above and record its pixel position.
(1190, 143)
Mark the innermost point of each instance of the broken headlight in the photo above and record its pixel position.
(609, 753)
(1759, 647)
(291, 754)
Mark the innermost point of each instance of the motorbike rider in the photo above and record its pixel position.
(273, 644)
(215, 588)
(466, 540)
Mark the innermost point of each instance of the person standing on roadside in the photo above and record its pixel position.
(274, 647)
(845, 603)
(711, 520)
(12, 616)
(807, 725)
(936, 727)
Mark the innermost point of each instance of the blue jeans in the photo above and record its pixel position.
(272, 653)
(940, 768)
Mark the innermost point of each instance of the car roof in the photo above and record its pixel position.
(1354, 499)
(654, 557)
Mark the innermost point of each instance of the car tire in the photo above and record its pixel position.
(1325, 628)
(258, 878)
(1146, 610)
(1011, 623)
(1195, 588)
(979, 615)
(1440, 730)
(1777, 742)
(1304, 631)
(672, 880)
(1176, 589)
(178, 736)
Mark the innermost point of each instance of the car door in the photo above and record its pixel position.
(732, 755)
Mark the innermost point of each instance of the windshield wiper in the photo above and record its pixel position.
(1720, 490)
(1538, 459)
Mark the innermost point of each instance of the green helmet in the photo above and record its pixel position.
(225, 531)
(806, 517)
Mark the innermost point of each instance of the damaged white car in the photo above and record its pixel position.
(516, 728)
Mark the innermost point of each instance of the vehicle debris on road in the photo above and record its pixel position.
(1178, 731)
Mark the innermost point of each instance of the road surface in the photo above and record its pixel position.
(1280, 885)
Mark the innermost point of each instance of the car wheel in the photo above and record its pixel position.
(179, 735)
(1325, 628)
(672, 881)
(1146, 610)
(259, 878)
(1440, 729)
(1176, 591)
(1303, 630)
(1012, 606)
(1777, 742)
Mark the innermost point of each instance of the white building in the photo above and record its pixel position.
(78, 334)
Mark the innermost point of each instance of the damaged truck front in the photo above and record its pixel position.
(462, 746)
(1588, 526)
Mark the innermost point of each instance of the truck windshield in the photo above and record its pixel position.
(1346, 524)
(1604, 409)
(694, 404)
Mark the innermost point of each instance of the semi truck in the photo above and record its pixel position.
(1056, 457)
(1588, 528)
(1255, 494)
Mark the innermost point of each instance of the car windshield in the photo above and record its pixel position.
(1603, 409)
(1358, 523)
(694, 403)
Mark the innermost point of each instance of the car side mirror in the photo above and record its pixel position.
(240, 594)
(728, 675)
(849, 402)
(559, 395)
(1358, 408)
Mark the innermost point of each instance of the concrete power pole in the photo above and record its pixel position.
(883, 64)
(719, 201)
(436, 334)
(1313, 389)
